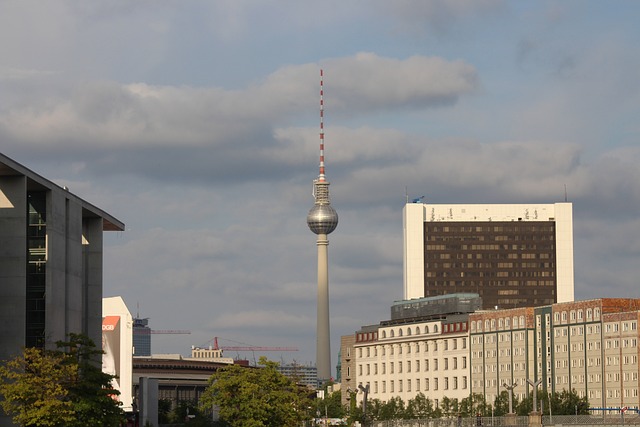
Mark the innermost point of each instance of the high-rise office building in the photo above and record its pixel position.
(50, 261)
(141, 337)
(518, 255)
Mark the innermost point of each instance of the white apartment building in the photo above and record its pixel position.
(412, 354)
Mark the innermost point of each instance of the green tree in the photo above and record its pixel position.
(449, 407)
(501, 403)
(256, 397)
(90, 391)
(420, 407)
(33, 389)
(331, 405)
(59, 388)
(568, 402)
(393, 409)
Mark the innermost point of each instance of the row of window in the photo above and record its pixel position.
(434, 346)
(502, 337)
(446, 364)
(573, 315)
(447, 383)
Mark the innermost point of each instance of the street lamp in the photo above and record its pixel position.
(365, 390)
(535, 392)
(510, 389)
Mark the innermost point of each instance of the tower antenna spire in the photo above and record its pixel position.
(321, 176)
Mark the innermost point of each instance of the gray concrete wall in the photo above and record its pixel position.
(92, 273)
(13, 273)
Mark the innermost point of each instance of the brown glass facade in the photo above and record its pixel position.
(510, 264)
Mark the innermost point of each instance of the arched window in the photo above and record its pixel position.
(417, 330)
(435, 329)
(408, 331)
(391, 333)
(515, 322)
(426, 329)
(399, 332)
(384, 334)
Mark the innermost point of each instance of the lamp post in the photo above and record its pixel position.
(510, 389)
(364, 390)
(535, 392)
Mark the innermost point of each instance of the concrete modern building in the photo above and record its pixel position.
(51, 244)
(511, 255)
(50, 261)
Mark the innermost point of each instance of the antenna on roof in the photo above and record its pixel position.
(565, 193)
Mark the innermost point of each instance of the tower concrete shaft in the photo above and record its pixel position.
(323, 343)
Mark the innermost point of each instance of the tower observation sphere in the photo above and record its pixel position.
(322, 219)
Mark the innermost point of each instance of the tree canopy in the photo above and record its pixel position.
(54, 388)
(256, 397)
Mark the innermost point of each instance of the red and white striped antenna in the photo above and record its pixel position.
(321, 176)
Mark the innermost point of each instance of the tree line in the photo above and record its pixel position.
(66, 387)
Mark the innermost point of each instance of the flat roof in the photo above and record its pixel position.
(9, 167)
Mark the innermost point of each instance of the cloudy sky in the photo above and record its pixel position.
(196, 124)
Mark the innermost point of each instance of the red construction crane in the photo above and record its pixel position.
(249, 347)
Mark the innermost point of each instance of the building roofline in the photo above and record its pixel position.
(9, 167)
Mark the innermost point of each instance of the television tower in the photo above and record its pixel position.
(322, 220)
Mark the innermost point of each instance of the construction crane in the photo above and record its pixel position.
(249, 347)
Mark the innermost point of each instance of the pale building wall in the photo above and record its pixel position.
(115, 306)
(564, 251)
(413, 220)
(571, 346)
(415, 358)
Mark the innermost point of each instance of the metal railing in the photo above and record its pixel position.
(518, 421)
